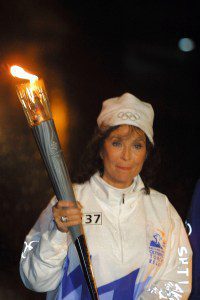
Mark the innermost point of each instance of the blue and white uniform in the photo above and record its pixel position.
(138, 245)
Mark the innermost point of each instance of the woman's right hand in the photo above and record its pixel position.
(69, 211)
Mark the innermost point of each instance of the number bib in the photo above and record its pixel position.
(92, 218)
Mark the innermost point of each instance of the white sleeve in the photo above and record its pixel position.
(174, 281)
(43, 256)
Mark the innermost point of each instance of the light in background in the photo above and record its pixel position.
(186, 44)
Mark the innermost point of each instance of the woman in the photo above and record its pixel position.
(138, 245)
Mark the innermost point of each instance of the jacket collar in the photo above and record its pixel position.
(112, 195)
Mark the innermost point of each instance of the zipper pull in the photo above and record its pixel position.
(123, 196)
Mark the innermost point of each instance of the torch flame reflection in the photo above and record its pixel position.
(19, 72)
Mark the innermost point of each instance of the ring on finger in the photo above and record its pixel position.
(64, 219)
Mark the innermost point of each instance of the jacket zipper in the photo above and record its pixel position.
(120, 233)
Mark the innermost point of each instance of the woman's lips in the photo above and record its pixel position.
(124, 168)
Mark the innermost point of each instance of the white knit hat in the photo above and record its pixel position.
(127, 109)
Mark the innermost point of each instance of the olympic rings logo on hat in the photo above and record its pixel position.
(128, 115)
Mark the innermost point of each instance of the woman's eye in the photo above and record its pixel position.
(137, 146)
(116, 144)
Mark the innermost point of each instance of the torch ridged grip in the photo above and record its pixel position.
(49, 147)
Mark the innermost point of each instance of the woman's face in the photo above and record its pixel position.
(123, 154)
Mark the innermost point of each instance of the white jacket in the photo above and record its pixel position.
(138, 245)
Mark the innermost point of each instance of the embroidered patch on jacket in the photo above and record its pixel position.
(92, 218)
(157, 248)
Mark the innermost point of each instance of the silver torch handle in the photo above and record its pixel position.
(49, 146)
(48, 143)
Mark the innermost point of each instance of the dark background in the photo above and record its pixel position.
(88, 51)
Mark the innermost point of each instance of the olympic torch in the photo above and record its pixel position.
(34, 100)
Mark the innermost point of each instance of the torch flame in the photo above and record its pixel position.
(19, 72)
